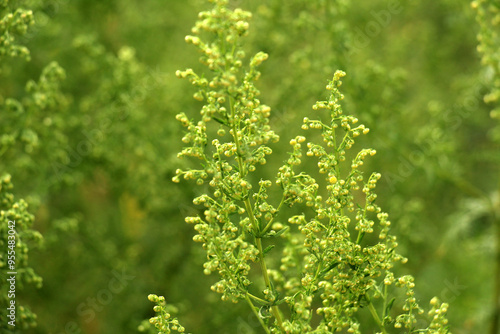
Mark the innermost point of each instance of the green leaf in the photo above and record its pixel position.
(267, 250)
(275, 234)
(332, 266)
(219, 120)
(389, 305)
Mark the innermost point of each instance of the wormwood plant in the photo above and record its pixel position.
(318, 258)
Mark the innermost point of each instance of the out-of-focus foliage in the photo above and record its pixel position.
(16, 239)
(88, 135)
(14, 24)
(16, 233)
(488, 17)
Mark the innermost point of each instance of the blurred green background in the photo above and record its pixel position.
(92, 144)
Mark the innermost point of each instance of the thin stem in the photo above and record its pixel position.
(254, 310)
(274, 308)
(248, 207)
(375, 316)
(385, 303)
(495, 325)
(268, 226)
(260, 300)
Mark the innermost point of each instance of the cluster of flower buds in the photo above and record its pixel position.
(163, 321)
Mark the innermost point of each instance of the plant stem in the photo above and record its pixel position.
(260, 300)
(384, 313)
(268, 226)
(375, 316)
(254, 310)
(274, 308)
(495, 325)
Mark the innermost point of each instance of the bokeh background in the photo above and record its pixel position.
(88, 134)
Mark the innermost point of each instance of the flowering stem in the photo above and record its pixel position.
(248, 208)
